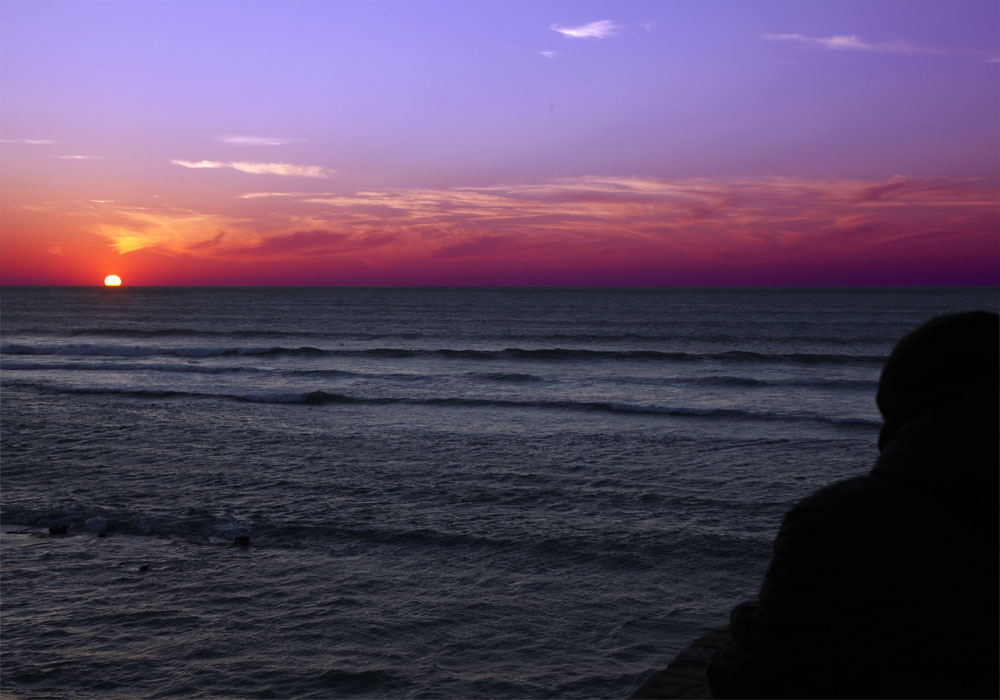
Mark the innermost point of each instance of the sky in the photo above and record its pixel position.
(487, 142)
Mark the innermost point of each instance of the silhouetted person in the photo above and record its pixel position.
(886, 585)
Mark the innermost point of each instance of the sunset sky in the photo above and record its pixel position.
(500, 142)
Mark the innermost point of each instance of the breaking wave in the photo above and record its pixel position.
(735, 356)
(320, 397)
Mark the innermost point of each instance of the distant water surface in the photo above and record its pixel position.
(448, 492)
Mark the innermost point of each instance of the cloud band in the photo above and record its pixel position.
(601, 29)
(258, 168)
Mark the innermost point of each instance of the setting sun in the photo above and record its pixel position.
(112, 281)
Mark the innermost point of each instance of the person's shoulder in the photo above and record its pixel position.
(854, 507)
(856, 492)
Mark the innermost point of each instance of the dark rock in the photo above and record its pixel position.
(242, 541)
(144, 567)
(58, 529)
(102, 534)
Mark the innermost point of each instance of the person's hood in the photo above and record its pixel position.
(939, 399)
(951, 448)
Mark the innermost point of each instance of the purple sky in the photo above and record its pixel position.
(512, 142)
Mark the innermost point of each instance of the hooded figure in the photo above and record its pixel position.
(886, 585)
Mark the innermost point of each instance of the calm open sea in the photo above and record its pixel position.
(448, 492)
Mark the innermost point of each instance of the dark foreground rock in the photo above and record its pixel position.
(685, 676)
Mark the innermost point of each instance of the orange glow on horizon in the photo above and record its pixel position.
(593, 230)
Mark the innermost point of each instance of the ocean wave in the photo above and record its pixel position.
(504, 376)
(202, 369)
(202, 333)
(697, 334)
(255, 396)
(133, 367)
(319, 397)
(80, 519)
(507, 377)
(511, 377)
(806, 383)
(207, 528)
(200, 526)
(91, 350)
(735, 356)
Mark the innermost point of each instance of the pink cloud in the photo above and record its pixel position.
(901, 189)
(479, 247)
(633, 229)
(310, 243)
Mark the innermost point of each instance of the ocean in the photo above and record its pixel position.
(447, 493)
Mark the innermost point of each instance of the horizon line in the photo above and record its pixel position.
(508, 286)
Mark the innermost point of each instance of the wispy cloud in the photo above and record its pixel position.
(33, 142)
(257, 140)
(548, 54)
(259, 168)
(200, 163)
(79, 157)
(849, 42)
(306, 244)
(128, 229)
(262, 195)
(689, 226)
(208, 243)
(601, 29)
(281, 169)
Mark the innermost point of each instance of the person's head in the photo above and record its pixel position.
(947, 359)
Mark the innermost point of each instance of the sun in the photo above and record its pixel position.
(112, 281)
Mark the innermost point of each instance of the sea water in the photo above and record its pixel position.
(447, 492)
